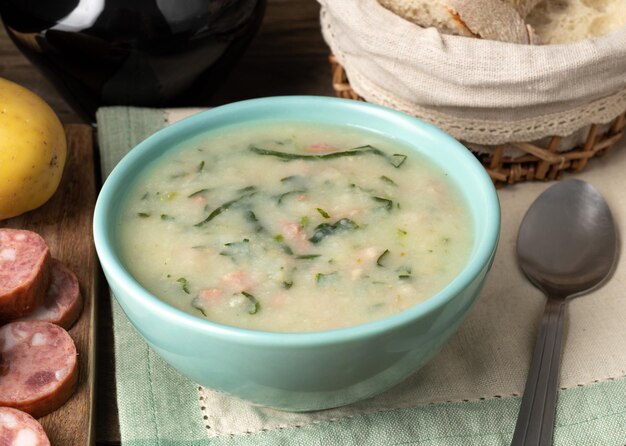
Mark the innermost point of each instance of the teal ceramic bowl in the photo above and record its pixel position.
(303, 371)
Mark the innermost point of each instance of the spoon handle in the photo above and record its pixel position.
(535, 422)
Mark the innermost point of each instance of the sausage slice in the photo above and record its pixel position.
(38, 365)
(24, 272)
(63, 302)
(17, 428)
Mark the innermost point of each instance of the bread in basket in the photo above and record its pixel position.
(528, 111)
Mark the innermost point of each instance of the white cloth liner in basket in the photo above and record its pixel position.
(480, 91)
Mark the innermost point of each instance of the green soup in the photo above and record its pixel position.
(291, 227)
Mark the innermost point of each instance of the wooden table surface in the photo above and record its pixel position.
(287, 57)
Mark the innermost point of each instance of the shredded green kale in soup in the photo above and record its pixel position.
(294, 228)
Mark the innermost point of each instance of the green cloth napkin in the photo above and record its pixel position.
(158, 406)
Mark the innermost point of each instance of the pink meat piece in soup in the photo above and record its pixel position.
(237, 281)
(209, 296)
(294, 233)
(320, 148)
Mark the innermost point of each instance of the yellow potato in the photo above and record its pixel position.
(32, 150)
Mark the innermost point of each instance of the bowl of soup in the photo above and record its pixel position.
(300, 253)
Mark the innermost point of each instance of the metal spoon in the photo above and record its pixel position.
(566, 246)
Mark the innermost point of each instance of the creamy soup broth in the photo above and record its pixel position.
(294, 228)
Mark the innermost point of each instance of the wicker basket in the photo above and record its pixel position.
(536, 163)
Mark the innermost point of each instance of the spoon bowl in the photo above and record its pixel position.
(566, 246)
(567, 241)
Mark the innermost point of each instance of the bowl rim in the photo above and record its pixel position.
(199, 123)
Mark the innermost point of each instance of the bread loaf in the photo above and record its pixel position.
(516, 21)
(492, 20)
(523, 7)
(562, 21)
(487, 19)
(428, 13)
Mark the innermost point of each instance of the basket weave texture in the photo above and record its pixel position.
(536, 162)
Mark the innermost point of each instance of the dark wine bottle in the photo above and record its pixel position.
(152, 53)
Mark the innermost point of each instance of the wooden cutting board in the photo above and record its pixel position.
(65, 223)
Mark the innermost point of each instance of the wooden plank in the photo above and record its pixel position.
(65, 223)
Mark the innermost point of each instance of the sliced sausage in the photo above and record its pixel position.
(39, 366)
(63, 302)
(17, 428)
(24, 272)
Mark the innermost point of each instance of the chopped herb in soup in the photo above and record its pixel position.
(293, 228)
